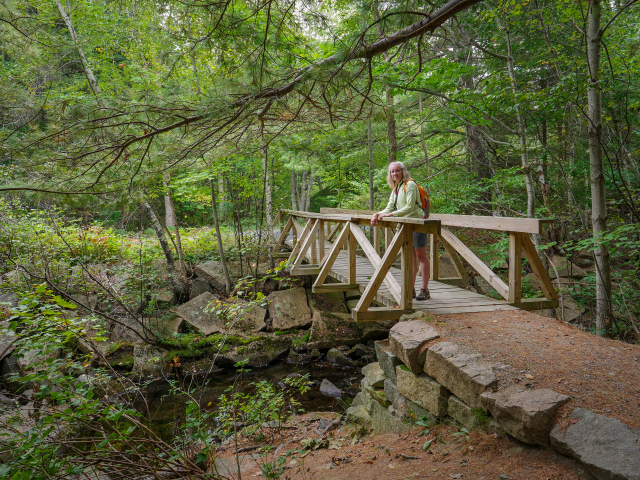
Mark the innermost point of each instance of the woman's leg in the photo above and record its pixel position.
(425, 269)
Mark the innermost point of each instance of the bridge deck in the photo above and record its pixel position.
(444, 298)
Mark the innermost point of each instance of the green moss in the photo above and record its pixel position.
(114, 347)
(123, 363)
(481, 416)
(405, 368)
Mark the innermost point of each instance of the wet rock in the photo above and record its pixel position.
(198, 287)
(465, 375)
(329, 302)
(288, 309)
(329, 389)
(337, 357)
(608, 448)
(213, 273)
(195, 313)
(423, 390)
(359, 350)
(408, 341)
(525, 414)
(387, 360)
(298, 358)
(374, 374)
(329, 330)
(148, 360)
(315, 354)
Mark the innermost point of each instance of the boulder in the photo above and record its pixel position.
(405, 407)
(337, 357)
(358, 414)
(289, 309)
(89, 301)
(566, 269)
(196, 313)
(329, 389)
(352, 295)
(571, 309)
(385, 420)
(408, 341)
(423, 390)
(166, 326)
(525, 414)
(359, 350)
(213, 273)
(329, 329)
(164, 298)
(7, 337)
(608, 448)
(465, 375)
(351, 304)
(227, 467)
(461, 412)
(263, 351)
(246, 318)
(10, 299)
(148, 360)
(330, 302)
(374, 374)
(198, 287)
(387, 360)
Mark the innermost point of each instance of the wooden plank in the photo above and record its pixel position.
(515, 267)
(283, 235)
(481, 308)
(375, 260)
(536, 303)
(477, 264)
(351, 252)
(538, 268)
(406, 269)
(508, 224)
(334, 231)
(306, 270)
(321, 243)
(455, 258)
(335, 287)
(374, 314)
(381, 271)
(376, 239)
(459, 282)
(301, 236)
(306, 242)
(434, 250)
(281, 255)
(333, 255)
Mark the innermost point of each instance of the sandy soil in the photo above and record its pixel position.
(597, 373)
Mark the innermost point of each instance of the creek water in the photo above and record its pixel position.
(166, 410)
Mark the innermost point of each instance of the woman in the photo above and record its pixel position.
(404, 202)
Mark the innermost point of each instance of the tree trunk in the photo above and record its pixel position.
(223, 259)
(307, 205)
(522, 133)
(597, 179)
(370, 145)
(179, 286)
(91, 79)
(294, 189)
(427, 159)
(168, 199)
(169, 210)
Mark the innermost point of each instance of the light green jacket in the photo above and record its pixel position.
(407, 205)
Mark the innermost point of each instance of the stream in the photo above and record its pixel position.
(167, 410)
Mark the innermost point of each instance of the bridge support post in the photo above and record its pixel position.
(515, 267)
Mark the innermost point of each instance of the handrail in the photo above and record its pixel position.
(309, 244)
(505, 224)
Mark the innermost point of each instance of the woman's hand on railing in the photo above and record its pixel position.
(376, 217)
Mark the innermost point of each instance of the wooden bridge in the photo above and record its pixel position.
(328, 241)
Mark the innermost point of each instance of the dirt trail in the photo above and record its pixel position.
(597, 373)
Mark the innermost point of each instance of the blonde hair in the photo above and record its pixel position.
(405, 174)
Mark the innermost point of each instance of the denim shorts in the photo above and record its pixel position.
(419, 240)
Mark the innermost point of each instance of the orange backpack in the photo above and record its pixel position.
(425, 202)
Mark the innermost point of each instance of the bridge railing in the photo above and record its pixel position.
(343, 228)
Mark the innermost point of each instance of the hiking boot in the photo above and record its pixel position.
(423, 295)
